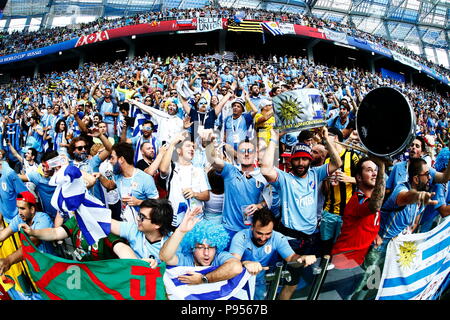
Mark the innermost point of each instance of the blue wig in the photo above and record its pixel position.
(442, 159)
(207, 232)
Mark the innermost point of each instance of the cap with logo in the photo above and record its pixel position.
(26, 196)
(301, 150)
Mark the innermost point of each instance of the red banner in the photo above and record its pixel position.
(308, 32)
(155, 26)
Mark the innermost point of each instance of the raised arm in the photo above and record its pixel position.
(224, 100)
(168, 252)
(185, 104)
(14, 152)
(376, 200)
(150, 110)
(153, 168)
(213, 158)
(335, 159)
(250, 103)
(164, 166)
(267, 167)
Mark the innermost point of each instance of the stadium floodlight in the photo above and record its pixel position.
(201, 44)
(133, 36)
(60, 53)
(121, 50)
(351, 58)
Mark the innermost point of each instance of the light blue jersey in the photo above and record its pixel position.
(299, 198)
(139, 243)
(237, 129)
(239, 191)
(44, 191)
(266, 254)
(399, 174)
(41, 220)
(140, 185)
(442, 195)
(395, 219)
(10, 187)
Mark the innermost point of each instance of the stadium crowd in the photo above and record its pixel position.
(183, 151)
(25, 40)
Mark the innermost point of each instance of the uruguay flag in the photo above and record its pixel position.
(93, 218)
(241, 287)
(272, 27)
(416, 265)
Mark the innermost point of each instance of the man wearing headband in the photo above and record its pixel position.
(202, 244)
(299, 192)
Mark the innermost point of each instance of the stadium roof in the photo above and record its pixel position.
(417, 24)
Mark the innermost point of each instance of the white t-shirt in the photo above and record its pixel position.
(106, 169)
(185, 177)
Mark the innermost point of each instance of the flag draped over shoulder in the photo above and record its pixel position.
(241, 287)
(114, 279)
(93, 218)
(245, 26)
(416, 265)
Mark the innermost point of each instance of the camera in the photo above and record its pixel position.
(129, 121)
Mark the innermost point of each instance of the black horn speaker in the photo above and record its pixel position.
(385, 122)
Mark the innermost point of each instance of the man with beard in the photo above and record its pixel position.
(361, 223)
(244, 186)
(399, 214)
(259, 247)
(399, 173)
(28, 214)
(146, 135)
(299, 191)
(79, 151)
(134, 185)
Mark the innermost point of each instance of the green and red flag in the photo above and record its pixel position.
(114, 279)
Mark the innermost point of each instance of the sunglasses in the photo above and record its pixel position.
(142, 217)
(147, 128)
(79, 148)
(248, 150)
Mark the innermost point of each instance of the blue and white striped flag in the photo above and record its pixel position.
(71, 195)
(416, 265)
(241, 287)
(273, 28)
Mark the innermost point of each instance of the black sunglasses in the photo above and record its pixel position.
(81, 148)
(141, 217)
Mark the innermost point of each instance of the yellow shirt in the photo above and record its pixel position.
(263, 128)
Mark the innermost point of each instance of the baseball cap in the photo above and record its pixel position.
(301, 150)
(26, 196)
(265, 102)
